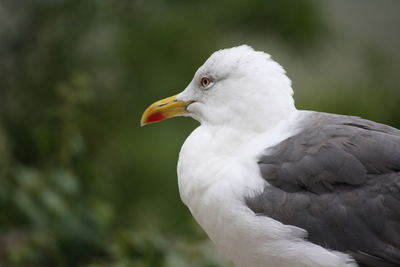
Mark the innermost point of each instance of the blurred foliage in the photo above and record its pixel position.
(80, 183)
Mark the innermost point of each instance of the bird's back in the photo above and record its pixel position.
(339, 179)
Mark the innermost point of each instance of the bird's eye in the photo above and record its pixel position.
(205, 82)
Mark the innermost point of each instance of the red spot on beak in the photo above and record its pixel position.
(155, 117)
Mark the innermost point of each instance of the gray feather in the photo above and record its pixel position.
(338, 178)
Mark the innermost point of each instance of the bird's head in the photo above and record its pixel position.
(236, 86)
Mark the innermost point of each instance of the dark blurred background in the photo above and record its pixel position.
(81, 184)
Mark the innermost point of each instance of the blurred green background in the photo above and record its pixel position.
(81, 184)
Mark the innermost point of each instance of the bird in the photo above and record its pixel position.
(275, 186)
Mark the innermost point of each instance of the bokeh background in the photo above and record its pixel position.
(81, 184)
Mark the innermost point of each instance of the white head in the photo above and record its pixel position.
(238, 87)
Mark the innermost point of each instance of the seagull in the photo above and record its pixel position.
(275, 186)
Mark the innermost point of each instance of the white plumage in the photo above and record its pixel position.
(251, 108)
(256, 167)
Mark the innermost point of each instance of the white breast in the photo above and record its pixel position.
(216, 171)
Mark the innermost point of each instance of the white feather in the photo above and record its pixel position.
(248, 109)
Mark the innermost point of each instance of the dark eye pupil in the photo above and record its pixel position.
(205, 81)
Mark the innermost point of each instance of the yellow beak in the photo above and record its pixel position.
(164, 109)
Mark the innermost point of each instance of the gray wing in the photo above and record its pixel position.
(338, 178)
